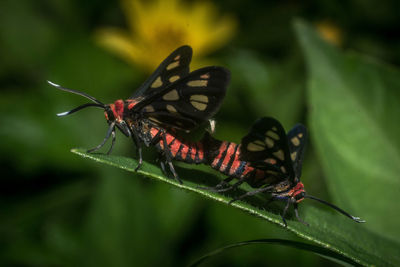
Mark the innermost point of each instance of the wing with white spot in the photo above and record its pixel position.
(174, 67)
(189, 101)
(297, 139)
(266, 147)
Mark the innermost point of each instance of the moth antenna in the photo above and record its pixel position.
(79, 108)
(356, 219)
(75, 92)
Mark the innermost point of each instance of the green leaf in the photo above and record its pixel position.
(323, 252)
(355, 104)
(327, 228)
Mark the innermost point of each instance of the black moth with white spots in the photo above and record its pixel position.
(267, 147)
(270, 161)
(171, 99)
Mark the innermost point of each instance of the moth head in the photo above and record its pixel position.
(299, 196)
(114, 114)
(287, 192)
(298, 193)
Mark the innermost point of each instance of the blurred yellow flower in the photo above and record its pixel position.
(330, 32)
(158, 27)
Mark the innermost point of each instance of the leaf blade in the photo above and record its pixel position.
(328, 229)
(354, 102)
(323, 252)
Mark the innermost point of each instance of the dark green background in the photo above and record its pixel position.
(60, 210)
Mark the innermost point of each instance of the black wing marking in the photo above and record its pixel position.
(175, 66)
(297, 140)
(189, 101)
(266, 147)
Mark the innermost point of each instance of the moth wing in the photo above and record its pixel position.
(174, 67)
(188, 101)
(297, 140)
(266, 147)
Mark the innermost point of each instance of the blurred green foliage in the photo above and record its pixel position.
(57, 209)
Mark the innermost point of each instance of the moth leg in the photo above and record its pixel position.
(168, 158)
(112, 142)
(284, 212)
(108, 134)
(161, 159)
(138, 146)
(296, 212)
(219, 187)
(232, 187)
(251, 193)
(162, 164)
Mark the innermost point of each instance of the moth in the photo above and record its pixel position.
(267, 159)
(172, 99)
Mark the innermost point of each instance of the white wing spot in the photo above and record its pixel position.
(154, 120)
(283, 169)
(148, 109)
(157, 83)
(295, 141)
(279, 154)
(199, 98)
(272, 135)
(199, 101)
(174, 78)
(171, 96)
(271, 161)
(293, 155)
(173, 65)
(205, 76)
(198, 105)
(198, 83)
(171, 109)
(255, 146)
(269, 142)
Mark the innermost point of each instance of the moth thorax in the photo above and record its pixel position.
(119, 108)
(298, 187)
(282, 186)
(298, 192)
(115, 111)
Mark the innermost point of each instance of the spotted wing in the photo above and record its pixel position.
(175, 66)
(266, 147)
(297, 140)
(189, 101)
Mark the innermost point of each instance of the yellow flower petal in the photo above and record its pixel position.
(119, 42)
(158, 27)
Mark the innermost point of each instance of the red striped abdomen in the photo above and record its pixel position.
(227, 161)
(189, 152)
(220, 155)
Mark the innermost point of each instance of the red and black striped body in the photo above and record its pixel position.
(224, 157)
(186, 151)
